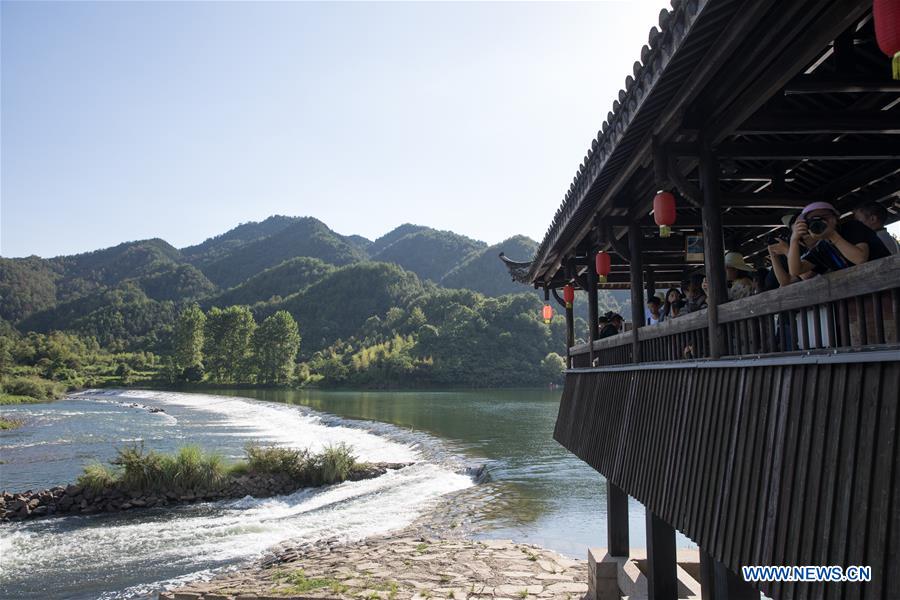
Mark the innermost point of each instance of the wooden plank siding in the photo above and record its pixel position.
(791, 461)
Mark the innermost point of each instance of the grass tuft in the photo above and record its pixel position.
(97, 477)
(190, 468)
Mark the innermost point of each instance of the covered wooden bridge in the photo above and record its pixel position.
(764, 429)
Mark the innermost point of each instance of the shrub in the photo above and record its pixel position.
(189, 469)
(34, 387)
(97, 477)
(290, 461)
(333, 464)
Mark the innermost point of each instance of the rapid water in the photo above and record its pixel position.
(132, 554)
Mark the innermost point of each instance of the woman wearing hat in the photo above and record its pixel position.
(835, 245)
(737, 272)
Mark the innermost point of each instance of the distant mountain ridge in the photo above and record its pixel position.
(281, 259)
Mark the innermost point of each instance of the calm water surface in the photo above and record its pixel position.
(536, 491)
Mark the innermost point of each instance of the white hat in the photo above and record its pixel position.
(736, 261)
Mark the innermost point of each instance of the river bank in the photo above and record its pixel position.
(403, 566)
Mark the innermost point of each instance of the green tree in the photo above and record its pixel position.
(552, 367)
(187, 345)
(227, 341)
(275, 346)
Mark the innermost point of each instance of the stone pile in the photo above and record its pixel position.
(400, 568)
(76, 499)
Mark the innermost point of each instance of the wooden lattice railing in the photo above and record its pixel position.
(852, 309)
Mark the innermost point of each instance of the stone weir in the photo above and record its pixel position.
(77, 499)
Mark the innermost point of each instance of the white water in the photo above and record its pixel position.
(129, 554)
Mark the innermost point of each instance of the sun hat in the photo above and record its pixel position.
(788, 219)
(736, 261)
(818, 206)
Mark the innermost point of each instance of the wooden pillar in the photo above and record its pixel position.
(713, 245)
(593, 324)
(662, 568)
(637, 291)
(570, 333)
(718, 582)
(616, 521)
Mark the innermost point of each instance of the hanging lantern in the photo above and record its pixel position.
(664, 212)
(603, 265)
(548, 313)
(569, 295)
(886, 14)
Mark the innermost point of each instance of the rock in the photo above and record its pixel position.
(568, 588)
(40, 511)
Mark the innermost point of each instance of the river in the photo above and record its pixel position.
(536, 491)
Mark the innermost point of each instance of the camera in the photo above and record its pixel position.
(817, 225)
(781, 235)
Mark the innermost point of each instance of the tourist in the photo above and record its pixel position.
(613, 325)
(695, 296)
(873, 216)
(763, 281)
(654, 315)
(835, 245)
(737, 275)
(673, 305)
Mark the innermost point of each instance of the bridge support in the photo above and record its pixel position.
(662, 567)
(718, 582)
(616, 520)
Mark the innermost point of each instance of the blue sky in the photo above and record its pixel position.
(124, 121)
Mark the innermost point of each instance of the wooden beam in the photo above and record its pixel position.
(692, 221)
(765, 200)
(813, 122)
(881, 150)
(811, 84)
(791, 54)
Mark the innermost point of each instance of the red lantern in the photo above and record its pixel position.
(548, 313)
(664, 212)
(603, 265)
(886, 14)
(569, 295)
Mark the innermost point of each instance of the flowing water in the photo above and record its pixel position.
(535, 493)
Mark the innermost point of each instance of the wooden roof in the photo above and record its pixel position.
(796, 99)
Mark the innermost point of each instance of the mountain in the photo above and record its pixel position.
(427, 252)
(220, 245)
(128, 294)
(288, 278)
(30, 285)
(340, 303)
(483, 272)
(304, 237)
(392, 236)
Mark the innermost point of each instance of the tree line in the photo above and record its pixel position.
(227, 346)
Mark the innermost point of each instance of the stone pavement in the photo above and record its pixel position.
(401, 568)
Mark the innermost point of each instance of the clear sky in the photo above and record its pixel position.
(124, 121)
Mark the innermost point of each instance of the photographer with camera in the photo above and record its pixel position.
(835, 245)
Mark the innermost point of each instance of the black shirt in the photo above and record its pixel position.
(825, 257)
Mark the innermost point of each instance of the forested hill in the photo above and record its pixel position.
(416, 304)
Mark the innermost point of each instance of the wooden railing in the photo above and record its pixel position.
(852, 309)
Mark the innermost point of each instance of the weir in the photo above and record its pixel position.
(764, 428)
